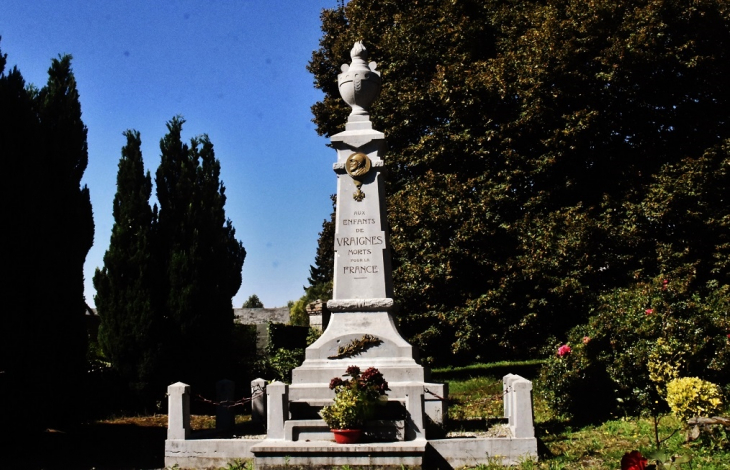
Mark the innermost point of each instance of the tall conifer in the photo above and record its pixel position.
(200, 254)
(131, 331)
(44, 147)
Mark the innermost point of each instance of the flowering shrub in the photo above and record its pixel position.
(631, 356)
(690, 396)
(633, 461)
(355, 398)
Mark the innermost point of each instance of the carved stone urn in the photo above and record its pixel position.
(359, 83)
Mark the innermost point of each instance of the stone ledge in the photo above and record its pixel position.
(299, 447)
(360, 305)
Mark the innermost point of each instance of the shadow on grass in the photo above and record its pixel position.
(90, 446)
(527, 369)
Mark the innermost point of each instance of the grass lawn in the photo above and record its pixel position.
(475, 393)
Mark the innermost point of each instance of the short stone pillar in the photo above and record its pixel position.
(178, 411)
(414, 405)
(518, 405)
(277, 407)
(258, 401)
(224, 417)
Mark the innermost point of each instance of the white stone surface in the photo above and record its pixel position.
(277, 408)
(518, 405)
(275, 454)
(472, 452)
(178, 411)
(207, 453)
(258, 400)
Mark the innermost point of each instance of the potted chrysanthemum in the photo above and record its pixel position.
(355, 402)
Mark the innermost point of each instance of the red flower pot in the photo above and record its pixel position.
(347, 436)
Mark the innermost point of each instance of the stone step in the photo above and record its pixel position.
(275, 454)
(317, 430)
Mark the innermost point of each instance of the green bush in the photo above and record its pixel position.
(298, 315)
(636, 341)
(286, 350)
(282, 361)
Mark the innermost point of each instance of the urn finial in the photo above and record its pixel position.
(359, 83)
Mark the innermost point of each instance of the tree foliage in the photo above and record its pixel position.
(253, 302)
(541, 153)
(50, 230)
(128, 287)
(201, 257)
(321, 274)
(164, 295)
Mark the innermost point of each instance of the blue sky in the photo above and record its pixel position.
(235, 70)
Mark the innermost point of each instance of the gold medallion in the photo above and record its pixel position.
(357, 166)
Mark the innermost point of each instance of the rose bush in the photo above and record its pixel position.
(631, 356)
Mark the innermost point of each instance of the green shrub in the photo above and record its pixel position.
(282, 361)
(637, 340)
(298, 315)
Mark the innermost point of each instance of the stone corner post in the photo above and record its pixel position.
(178, 411)
(258, 401)
(518, 405)
(277, 408)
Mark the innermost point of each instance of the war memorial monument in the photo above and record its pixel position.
(410, 429)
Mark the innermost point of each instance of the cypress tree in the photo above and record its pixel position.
(131, 330)
(18, 149)
(44, 142)
(66, 208)
(201, 257)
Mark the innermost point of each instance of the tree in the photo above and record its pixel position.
(321, 274)
(164, 294)
(523, 137)
(253, 302)
(44, 147)
(127, 288)
(201, 257)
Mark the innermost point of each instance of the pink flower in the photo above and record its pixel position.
(728, 336)
(563, 350)
(586, 340)
(649, 311)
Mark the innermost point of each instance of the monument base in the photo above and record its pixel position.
(342, 345)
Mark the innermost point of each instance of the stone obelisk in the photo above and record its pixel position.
(361, 329)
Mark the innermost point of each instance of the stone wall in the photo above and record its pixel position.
(258, 316)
